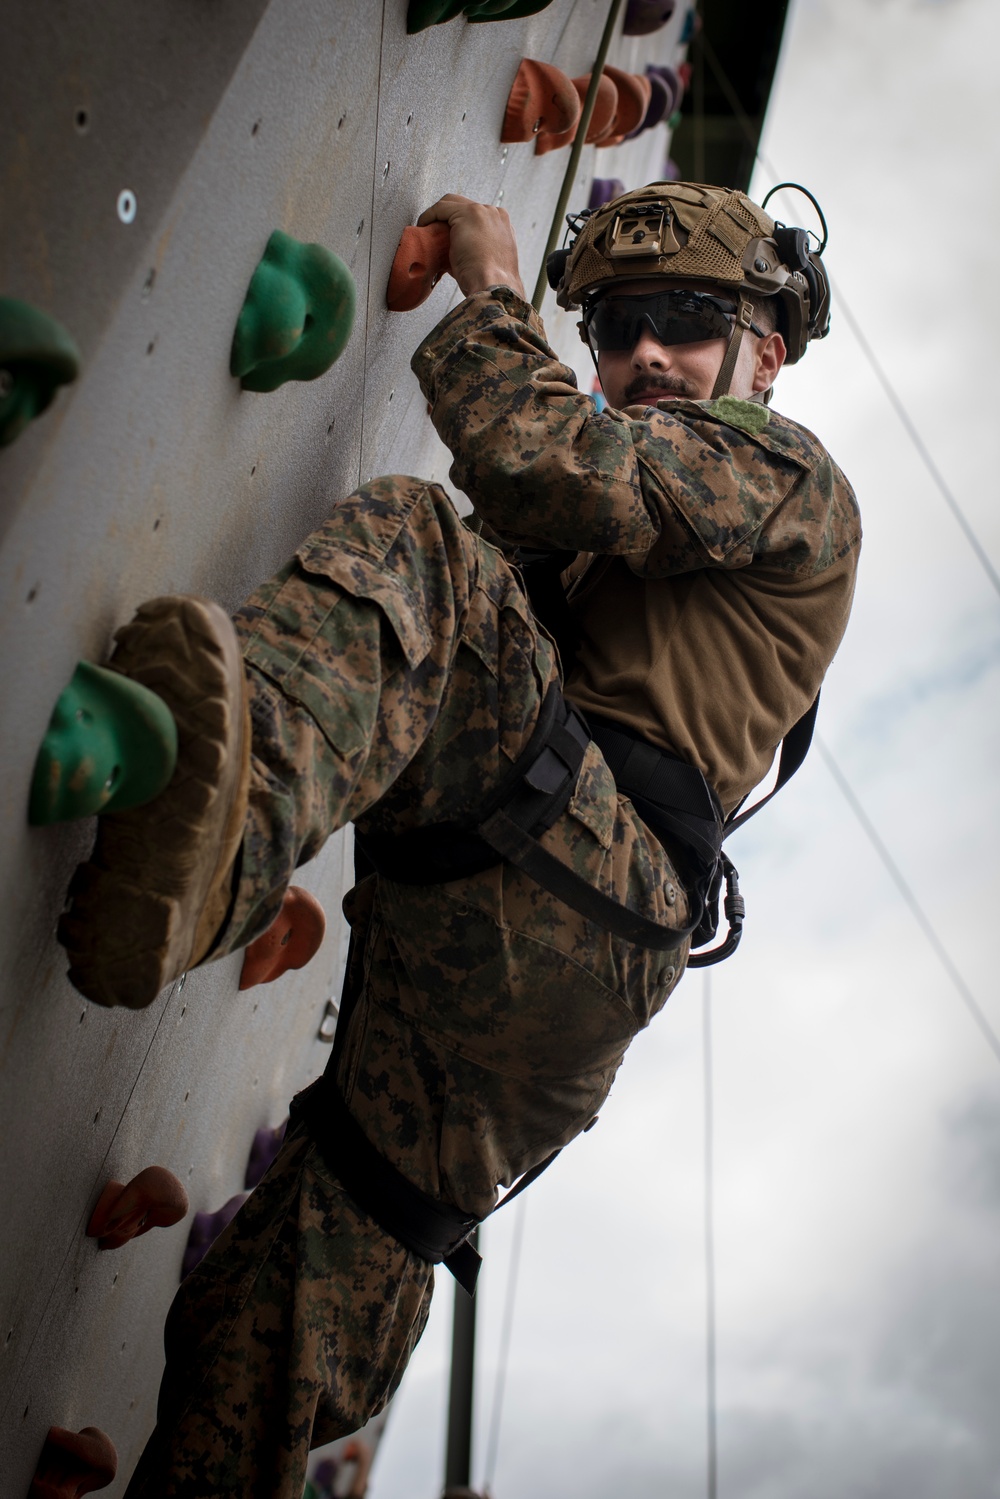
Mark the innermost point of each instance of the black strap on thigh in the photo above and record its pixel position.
(433, 1230)
(530, 798)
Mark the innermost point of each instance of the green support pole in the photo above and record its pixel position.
(538, 296)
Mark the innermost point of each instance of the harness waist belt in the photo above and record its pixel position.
(669, 794)
(529, 799)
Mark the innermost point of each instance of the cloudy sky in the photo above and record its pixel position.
(856, 1104)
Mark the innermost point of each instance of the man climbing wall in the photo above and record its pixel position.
(528, 914)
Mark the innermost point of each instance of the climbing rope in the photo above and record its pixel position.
(710, 1395)
(513, 1271)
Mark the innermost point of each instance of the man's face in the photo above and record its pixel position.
(652, 371)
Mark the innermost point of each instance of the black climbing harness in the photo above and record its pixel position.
(671, 796)
(673, 799)
(528, 800)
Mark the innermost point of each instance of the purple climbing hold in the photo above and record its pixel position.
(669, 77)
(603, 190)
(671, 171)
(206, 1228)
(645, 16)
(324, 1477)
(659, 104)
(266, 1144)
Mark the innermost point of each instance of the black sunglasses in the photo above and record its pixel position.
(616, 323)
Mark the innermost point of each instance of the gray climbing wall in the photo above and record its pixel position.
(146, 155)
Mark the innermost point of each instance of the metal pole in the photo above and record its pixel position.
(458, 1450)
(710, 1401)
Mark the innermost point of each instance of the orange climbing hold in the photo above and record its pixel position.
(153, 1199)
(291, 941)
(634, 94)
(421, 259)
(542, 100)
(605, 107)
(74, 1463)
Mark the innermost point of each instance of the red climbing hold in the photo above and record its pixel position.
(634, 93)
(605, 106)
(542, 99)
(291, 941)
(153, 1199)
(74, 1463)
(421, 259)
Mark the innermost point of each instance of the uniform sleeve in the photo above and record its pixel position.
(670, 490)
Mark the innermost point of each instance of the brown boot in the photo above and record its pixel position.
(150, 902)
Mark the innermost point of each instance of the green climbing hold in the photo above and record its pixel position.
(511, 11)
(487, 10)
(37, 355)
(296, 318)
(423, 13)
(110, 744)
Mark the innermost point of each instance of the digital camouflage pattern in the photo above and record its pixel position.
(726, 557)
(395, 674)
(295, 1327)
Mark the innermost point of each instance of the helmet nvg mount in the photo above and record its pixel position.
(689, 231)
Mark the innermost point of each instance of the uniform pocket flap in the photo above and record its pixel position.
(364, 579)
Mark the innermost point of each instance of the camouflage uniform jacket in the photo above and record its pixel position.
(722, 538)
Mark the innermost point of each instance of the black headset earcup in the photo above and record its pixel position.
(555, 267)
(793, 247)
(819, 298)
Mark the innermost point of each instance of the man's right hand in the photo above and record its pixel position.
(483, 250)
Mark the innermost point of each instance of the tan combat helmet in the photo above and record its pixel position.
(694, 232)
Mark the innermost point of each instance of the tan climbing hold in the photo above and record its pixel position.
(153, 1199)
(634, 94)
(74, 1463)
(291, 941)
(421, 259)
(605, 108)
(542, 100)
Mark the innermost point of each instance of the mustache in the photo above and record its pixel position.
(671, 385)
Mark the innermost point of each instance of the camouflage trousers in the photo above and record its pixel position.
(396, 673)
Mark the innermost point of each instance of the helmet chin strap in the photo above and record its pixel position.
(744, 317)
